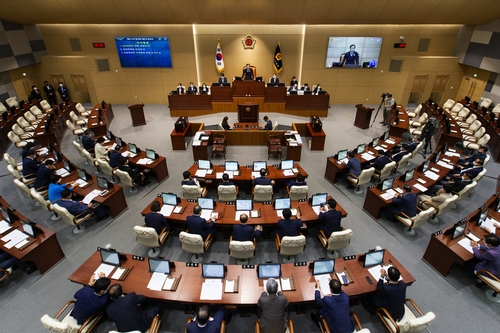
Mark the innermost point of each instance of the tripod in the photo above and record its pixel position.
(379, 107)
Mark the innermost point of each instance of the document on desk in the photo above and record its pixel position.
(287, 173)
(239, 213)
(118, 273)
(324, 285)
(4, 226)
(420, 187)
(256, 174)
(211, 289)
(298, 138)
(89, 197)
(390, 141)
(206, 214)
(128, 154)
(292, 143)
(13, 238)
(166, 210)
(452, 154)
(43, 151)
(156, 282)
(445, 165)
(229, 288)
(488, 223)
(201, 173)
(375, 271)
(104, 268)
(387, 196)
(198, 135)
(316, 209)
(367, 157)
(144, 161)
(82, 183)
(380, 148)
(432, 175)
(465, 243)
(61, 172)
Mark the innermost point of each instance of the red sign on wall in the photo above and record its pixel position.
(99, 45)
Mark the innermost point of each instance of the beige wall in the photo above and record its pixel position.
(303, 49)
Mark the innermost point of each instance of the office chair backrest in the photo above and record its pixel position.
(2, 107)
(463, 113)
(365, 176)
(11, 101)
(70, 125)
(483, 140)
(45, 105)
(480, 175)
(79, 149)
(466, 191)
(105, 167)
(13, 137)
(79, 107)
(241, 250)
(36, 111)
(472, 117)
(22, 122)
(475, 125)
(14, 172)
(496, 109)
(227, 192)
(417, 149)
(29, 116)
(191, 191)
(387, 169)
(339, 239)
(292, 245)
(191, 243)
(25, 191)
(64, 214)
(17, 129)
(446, 205)
(54, 325)
(403, 161)
(486, 103)
(125, 177)
(146, 236)
(479, 132)
(263, 193)
(457, 107)
(10, 160)
(448, 104)
(416, 324)
(299, 192)
(45, 204)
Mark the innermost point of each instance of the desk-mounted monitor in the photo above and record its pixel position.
(227, 84)
(282, 203)
(458, 230)
(257, 165)
(231, 166)
(82, 174)
(213, 271)
(67, 165)
(102, 183)
(437, 157)
(385, 136)
(132, 148)
(281, 84)
(169, 199)
(258, 78)
(336, 64)
(387, 184)
(425, 166)
(151, 154)
(206, 203)
(29, 229)
(204, 164)
(325, 266)
(119, 141)
(244, 204)
(109, 135)
(361, 148)
(374, 258)
(110, 257)
(161, 266)
(409, 175)
(293, 92)
(342, 154)
(267, 271)
(444, 149)
(318, 199)
(375, 142)
(286, 165)
(8, 216)
(482, 216)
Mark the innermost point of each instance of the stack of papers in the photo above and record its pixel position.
(166, 210)
(452, 154)
(206, 214)
(285, 284)
(465, 242)
(157, 280)
(62, 172)
(431, 175)
(367, 157)
(379, 147)
(324, 284)
(13, 238)
(144, 161)
(287, 173)
(387, 196)
(201, 173)
(81, 182)
(211, 289)
(196, 143)
(128, 154)
(375, 271)
(104, 268)
(89, 197)
(420, 187)
(444, 164)
(4, 226)
(390, 141)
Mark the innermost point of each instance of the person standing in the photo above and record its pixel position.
(388, 106)
(274, 80)
(50, 92)
(269, 124)
(247, 73)
(222, 79)
(273, 305)
(35, 93)
(225, 123)
(156, 220)
(63, 92)
(351, 57)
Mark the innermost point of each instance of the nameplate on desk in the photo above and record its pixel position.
(301, 263)
(267, 202)
(138, 258)
(482, 207)
(463, 220)
(496, 194)
(191, 200)
(249, 166)
(349, 257)
(231, 203)
(437, 233)
(372, 186)
(276, 165)
(191, 264)
(303, 200)
(248, 266)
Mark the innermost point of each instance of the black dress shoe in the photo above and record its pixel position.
(99, 219)
(31, 269)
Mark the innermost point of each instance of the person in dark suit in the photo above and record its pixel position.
(273, 305)
(199, 226)
(91, 298)
(382, 159)
(329, 218)
(274, 80)
(50, 92)
(87, 142)
(140, 177)
(222, 79)
(390, 295)
(225, 180)
(473, 170)
(204, 89)
(294, 81)
(262, 180)
(29, 146)
(128, 312)
(114, 156)
(287, 226)
(203, 323)
(35, 93)
(486, 256)
(413, 145)
(45, 170)
(192, 89)
(406, 203)
(403, 152)
(155, 220)
(188, 180)
(225, 123)
(469, 160)
(63, 92)
(354, 166)
(335, 308)
(299, 181)
(30, 165)
(460, 182)
(247, 73)
(77, 208)
(180, 88)
(317, 89)
(351, 57)
(295, 87)
(269, 124)
(305, 87)
(243, 232)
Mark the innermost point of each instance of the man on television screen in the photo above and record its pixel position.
(351, 57)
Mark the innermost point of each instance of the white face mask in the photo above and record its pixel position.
(60, 85)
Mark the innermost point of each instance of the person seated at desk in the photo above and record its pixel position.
(55, 188)
(199, 226)
(180, 88)
(403, 152)
(222, 79)
(204, 89)
(273, 305)
(114, 156)
(225, 123)
(473, 170)
(410, 147)
(329, 218)
(294, 81)
(140, 177)
(192, 89)
(354, 166)
(293, 88)
(203, 323)
(486, 257)
(381, 160)
(87, 142)
(317, 89)
(77, 207)
(287, 226)
(46, 170)
(390, 295)
(457, 183)
(225, 180)
(35, 93)
(269, 124)
(273, 81)
(156, 220)
(243, 232)
(247, 73)
(91, 298)
(299, 181)
(128, 311)
(9, 263)
(101, 151)
(305, 87)
(468, 161)
(188, 180)
(441, 195)
(335, 308)
(406, 203)
(26, 149)
(31, 165)
(262, 180)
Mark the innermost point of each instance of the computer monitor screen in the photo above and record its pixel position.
(342, 154)
(375, 142)
(409, 175)
(169, 199)
(6, 216)
(204, 164)
(151, 154)
(132, 148)
(67, 165)
(57, 156)
(387, 184)
(102, 183)
(361, 148)
(438, 156)
(244, 204)
(110, 257)
(445, 147)
(119, 141)
(318, 199)
(212, 271)
(109, 135)
(425, 166)
(458, 230)
(206, 203)
(259, 165)
(28, 229)
(282, 203)
(323, 266)
(82, 174)
(267, 271)
(386, 135)
(231, 166)
(159, 266)
(374, 258)
(482, 217)
(286, 164)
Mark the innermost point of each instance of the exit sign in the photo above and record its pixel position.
(99, 45)
(399, 45)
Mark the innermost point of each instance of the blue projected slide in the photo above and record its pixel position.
(143, 51)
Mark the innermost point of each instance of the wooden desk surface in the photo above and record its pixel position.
(250, 287)
(403, 124)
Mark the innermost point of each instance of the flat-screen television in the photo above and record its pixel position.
(169, 199)
(339, 50)
(267, 271)
(159, 265)
(144, 51)
(325, 266)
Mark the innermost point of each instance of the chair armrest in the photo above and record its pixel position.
(223, 327)
(290, 326)
(323, 325)
(415, 306)
(352, 176)
(322, 238)
(356, 321)
(204, 192)
(287, 191)
(92, 321)
(254, 246)
(489, 275)
(155, 325)
(207, 242)
(427, 204)
(230, 239)
(257, 326)
(6, 274)
(163, 235)
(382, 314)
(403, 215)
(237, 190)
(277, 242)
(87, 211)
(63, 309)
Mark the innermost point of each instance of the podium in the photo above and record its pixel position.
(137, 114)
(248, 113)
(363, 116)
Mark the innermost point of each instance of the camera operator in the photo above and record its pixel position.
(427, 133)
(388, 106)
